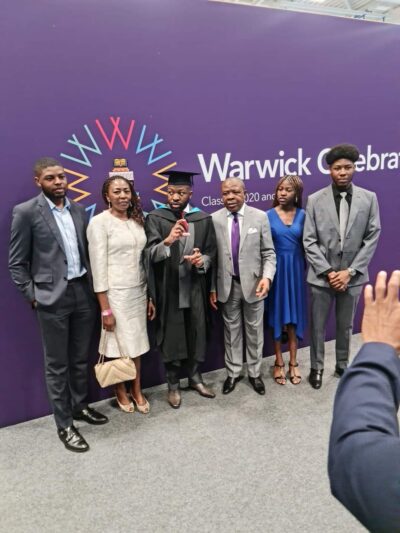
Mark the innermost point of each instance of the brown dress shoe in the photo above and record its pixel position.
(202, 390)
(174, 398)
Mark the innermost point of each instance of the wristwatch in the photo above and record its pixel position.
(352, 272)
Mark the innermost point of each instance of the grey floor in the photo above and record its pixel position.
(239, 463)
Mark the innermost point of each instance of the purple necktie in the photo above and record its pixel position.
(235, 241)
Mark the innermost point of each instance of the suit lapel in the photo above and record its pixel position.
(224, 224)
(78, 223)
(51, 221)
(245, 227)
(355, 206)
(331, 207)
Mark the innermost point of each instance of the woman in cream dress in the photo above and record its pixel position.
(116, 241)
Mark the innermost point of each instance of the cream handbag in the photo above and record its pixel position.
(114, 371)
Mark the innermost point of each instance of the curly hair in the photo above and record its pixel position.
(296, 183)
(134, 211)
(342, 151)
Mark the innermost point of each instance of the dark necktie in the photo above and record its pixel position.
(235, 242)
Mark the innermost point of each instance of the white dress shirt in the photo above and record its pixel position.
(70, 240)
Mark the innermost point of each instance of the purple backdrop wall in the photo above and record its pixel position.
(207, 78)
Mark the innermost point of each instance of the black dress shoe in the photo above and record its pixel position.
(315, 378)
(339, 371)
(258, 385)
(230, 384)
(73, 440)
(202, 390)
(91, 416)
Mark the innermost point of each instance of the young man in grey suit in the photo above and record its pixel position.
(341, 233)
(49, 263)
(246, 268)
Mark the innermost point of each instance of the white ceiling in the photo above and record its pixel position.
(378, 10)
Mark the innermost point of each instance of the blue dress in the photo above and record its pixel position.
(286, 302)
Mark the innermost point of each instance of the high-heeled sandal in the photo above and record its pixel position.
(292, 378)
(282, 375)
(142, 408)
(125, 407)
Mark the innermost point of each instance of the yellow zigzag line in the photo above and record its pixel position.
(158, 173)
(81, 177)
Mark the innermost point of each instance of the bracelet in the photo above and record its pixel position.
(106, 312)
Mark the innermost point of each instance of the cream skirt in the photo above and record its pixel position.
(129, 307)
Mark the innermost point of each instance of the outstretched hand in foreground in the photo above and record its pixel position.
(381, 320)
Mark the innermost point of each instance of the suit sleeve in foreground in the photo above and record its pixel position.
(364, 448)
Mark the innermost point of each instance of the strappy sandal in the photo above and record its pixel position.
(292, 378)
(282, 375)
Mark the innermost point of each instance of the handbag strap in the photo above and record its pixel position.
(103, 346)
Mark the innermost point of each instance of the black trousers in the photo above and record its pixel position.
(173, 369)
(66, 329)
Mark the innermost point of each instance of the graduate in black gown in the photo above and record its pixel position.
(180, 252)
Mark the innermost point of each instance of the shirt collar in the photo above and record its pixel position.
(52, 205)
(240, 212)
(337, 191)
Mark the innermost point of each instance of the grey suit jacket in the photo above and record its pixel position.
(37, 259)
(256, 254)
(321, 235)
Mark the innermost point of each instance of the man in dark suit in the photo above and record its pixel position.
(341, 232)
(49, 263)
(364, 448)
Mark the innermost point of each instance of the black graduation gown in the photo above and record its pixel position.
(180, 332)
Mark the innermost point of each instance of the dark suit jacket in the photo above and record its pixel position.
(37, 259)
(364, 449)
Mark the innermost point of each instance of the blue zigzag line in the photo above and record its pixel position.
(156, 204)
(91, 210)
(151, 146)
(95, 148)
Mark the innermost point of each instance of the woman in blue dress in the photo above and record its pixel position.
(286, 302)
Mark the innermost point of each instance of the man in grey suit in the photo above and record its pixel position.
(341, 233)
(246, 268)
(49, 263)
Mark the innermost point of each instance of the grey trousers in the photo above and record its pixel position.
(240, 315)
(345, 307)
(66, 329)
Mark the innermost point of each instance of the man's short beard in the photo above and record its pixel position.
(53, 197)
(178, 209)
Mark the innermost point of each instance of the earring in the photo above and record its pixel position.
(296, 199)
(109, 204)
(130, 204)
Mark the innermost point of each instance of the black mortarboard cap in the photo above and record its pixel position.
(179, 177)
